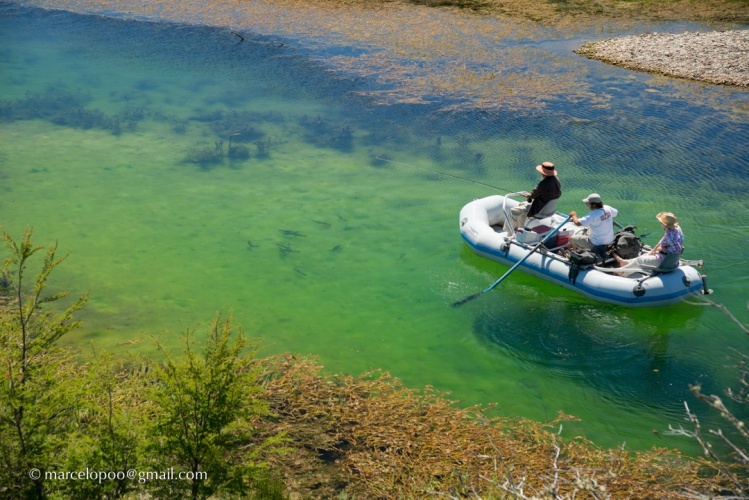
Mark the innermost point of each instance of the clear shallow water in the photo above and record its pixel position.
(109, 145)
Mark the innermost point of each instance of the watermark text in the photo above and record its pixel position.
(102, 476)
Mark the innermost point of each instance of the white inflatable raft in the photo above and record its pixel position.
(481, 224)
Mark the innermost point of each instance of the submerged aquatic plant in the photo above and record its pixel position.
(238, 125)
(67, 109)
(238, 152)
(207, 157)
(321, 132)
(263, 146)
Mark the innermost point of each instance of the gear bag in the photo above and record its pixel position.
(583, 259)
(627, 244)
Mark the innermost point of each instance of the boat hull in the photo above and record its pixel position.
(480, 227)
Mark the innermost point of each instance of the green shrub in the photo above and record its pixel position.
(37, 394)
(204, 410)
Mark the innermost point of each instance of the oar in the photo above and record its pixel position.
(493, 285)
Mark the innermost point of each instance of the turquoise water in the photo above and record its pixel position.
(330, 227)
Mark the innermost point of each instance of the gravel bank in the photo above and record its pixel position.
(720, 57)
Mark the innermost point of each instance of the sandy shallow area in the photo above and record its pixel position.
(720, 57)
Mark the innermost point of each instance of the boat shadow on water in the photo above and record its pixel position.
(626, 356)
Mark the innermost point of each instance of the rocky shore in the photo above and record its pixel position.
(719, 57)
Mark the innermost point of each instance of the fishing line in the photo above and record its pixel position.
(707, 302)
(443, 173)
(468, 180)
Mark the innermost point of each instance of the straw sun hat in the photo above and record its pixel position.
(668, 219)
(547, 168)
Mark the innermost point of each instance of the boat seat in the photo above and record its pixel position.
(669, 263)
(548, 210)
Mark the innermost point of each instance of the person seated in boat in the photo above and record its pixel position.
(599, 224)
(671, 243)
(548, 188)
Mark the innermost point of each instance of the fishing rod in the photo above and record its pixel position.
(645, 235)
(467, 180)
(441, 173)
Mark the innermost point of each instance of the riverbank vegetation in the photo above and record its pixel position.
(217, 421)
(734, 11)
(706, 11)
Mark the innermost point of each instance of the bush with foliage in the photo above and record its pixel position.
(203, 419)
(37, 397)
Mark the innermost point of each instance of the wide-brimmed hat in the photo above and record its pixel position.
(593, 198)
(668, 219)
(547, 168)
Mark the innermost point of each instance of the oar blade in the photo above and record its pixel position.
(467, 299)
(517, 264)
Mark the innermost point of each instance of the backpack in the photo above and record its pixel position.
(583, 258)
(627, 244)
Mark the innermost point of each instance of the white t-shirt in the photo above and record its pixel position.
(601, 224)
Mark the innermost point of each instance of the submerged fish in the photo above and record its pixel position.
(285, 249)
(289, 232)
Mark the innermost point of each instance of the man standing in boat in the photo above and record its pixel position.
(600, 224)
(549, 188)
